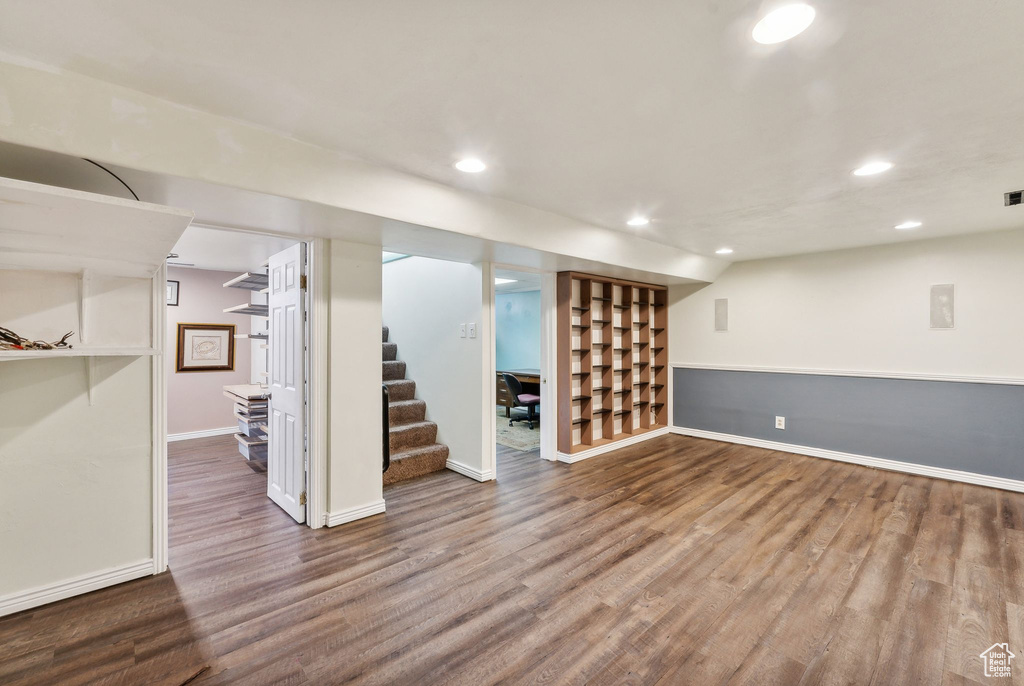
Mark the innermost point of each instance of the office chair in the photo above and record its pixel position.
(520, 399)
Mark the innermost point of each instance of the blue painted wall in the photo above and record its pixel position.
(517, 330)
(972, 427)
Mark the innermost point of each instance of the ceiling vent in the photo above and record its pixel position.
(1013, 198)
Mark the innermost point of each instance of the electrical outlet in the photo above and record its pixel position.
(780, 423)
(462, 330)
(472, 330)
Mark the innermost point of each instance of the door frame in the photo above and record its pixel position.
(317, 265)
(548, 360)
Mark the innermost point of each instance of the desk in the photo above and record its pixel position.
(530, 378)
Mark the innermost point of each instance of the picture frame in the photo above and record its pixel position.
(172, 293)
(205, 348)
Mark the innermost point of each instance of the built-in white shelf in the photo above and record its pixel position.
(252, 309)
(250, 282)
(77, 351)
(254, 336)
(58, 229)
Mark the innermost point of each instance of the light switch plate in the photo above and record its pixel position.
(472, 330)
(462, 330)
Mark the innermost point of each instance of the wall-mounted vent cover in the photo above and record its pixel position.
(1013, 198)
(721, 314)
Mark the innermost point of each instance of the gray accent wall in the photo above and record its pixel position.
(972, 427)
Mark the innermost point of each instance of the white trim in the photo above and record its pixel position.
(353, 513)
(864, 460)
(317, 257)
(206, 433)
(159, 429)
(571, 458)
(41, 595)
(1008, 380)
(472, 473)
(489, 387)
(548, 370)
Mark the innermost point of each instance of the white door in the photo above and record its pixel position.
(286, 473)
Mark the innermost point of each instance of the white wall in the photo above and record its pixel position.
(76, 489)
(863, 310)
(195, 400)
(424, 303)
(355, 447)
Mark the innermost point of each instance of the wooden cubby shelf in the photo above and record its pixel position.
(628, 359)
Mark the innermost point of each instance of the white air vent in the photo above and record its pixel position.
(721, 314)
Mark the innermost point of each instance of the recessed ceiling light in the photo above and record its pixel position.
(872, 168)
(639, 221)
(782, 24)
(470, 165)
(498, 280)
(908, 225)
(724, 251)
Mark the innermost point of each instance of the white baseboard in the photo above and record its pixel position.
(864, 460)
(472, 473)
(202, 434)
(41, 595)
(354, 513)
(570, 458)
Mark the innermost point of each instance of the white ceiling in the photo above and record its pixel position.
(203, 247)
(597, 110)
(522, 281)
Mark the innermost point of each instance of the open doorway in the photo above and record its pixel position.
(517, 357)
(236, 368)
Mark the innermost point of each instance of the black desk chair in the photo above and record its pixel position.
(520, 399)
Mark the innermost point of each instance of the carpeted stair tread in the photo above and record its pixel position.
(393, 370)
(406, 411)
(411, 438)
(412, 435)
(400, 389)
(408, 464)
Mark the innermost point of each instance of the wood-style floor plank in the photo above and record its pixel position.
(673, 561)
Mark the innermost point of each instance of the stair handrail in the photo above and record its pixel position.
(386, 422)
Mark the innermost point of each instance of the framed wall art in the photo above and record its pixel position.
(172, 293)
(205, 348)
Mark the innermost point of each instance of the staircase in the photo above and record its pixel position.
(414, 447)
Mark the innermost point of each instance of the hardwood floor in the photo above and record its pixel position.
(675, 561)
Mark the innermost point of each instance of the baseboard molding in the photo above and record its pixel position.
(571, 458)
(41, 595)
(354, 513)
(188, 435)
(864, 460)
(472, 473)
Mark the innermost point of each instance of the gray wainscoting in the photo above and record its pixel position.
(972, 427)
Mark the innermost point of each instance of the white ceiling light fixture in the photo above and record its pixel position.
(639, 221)
(872, 168)
(910, 224)
(783, 23)
(498, 281)
(724, 251)
(470, 165)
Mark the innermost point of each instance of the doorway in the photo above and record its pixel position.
(523, 305)
(239, 315)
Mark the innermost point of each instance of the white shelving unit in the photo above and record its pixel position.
(99, 239)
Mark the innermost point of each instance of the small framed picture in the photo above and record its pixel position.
(172, 293)
(206, 348)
